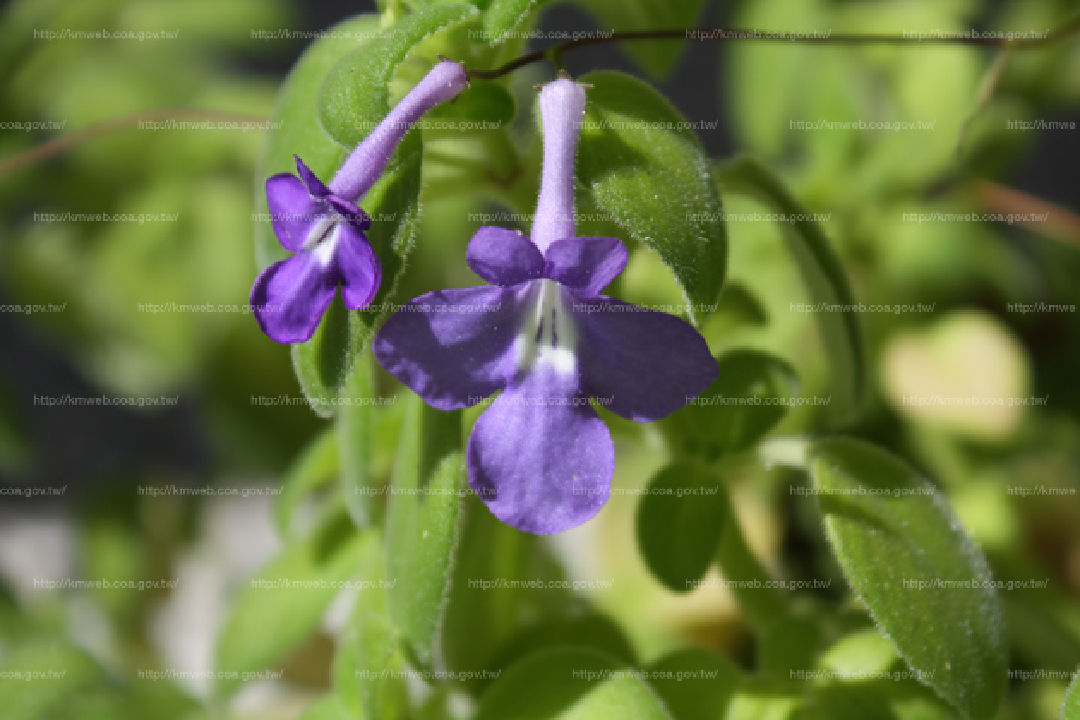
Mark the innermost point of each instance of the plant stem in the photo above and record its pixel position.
(555, 53)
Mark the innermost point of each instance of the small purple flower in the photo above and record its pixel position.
(324, 228)
(540, 457)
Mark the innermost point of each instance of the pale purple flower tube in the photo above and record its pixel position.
(368, 161)
(562, 107)
(539, 456)
(324, 227)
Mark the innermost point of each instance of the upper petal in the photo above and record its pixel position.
(539, 457)
(357, 266)
(586, 264)
(504, 257)
(290, 297)
(315, 187)
(640, 363)
(350, 212)
(292, 211)
(454, 347)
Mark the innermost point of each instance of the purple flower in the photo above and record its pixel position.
(543, 334)
(324, 228)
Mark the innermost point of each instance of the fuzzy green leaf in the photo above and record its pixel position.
(490, 595)
(1070, 709)
(925, 582)
(355, 420)
(355, 95)
(504, 16)
(640, 164)
(421, 523)
(369, 668)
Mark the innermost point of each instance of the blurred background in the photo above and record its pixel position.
(145, 432)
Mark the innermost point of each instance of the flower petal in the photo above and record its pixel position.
(504, 257)
(290, 297)
(539, 457)
(292, 211)
(640, 363)
(358, 268)
(350, 212)
(454, 347)
(586, 264)
(314, 185)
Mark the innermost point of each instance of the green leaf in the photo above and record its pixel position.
(106, 700)
(369, 667)
(876, 699)
(421, 522)
(679, 522)
(695, 684)
(296, 117)
(924, 581)
(640, 164)
(656, 57)
(492, 593)
(822, 272)
(1070, 709)
(1038, 628)
(436, 706)
(789, 643)
(355, 95)
(744, 402)
(570, 684)
(316, 467)
(324, 363)
(354, 425)
(861, 678)
(738, 307)
(765, 699)
(502, 17)
(592, 630)
(328, 707)
(39, 676)
(285, 601)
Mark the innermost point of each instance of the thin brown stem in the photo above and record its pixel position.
(63, 143)
(555, 52)
(1036, 214)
